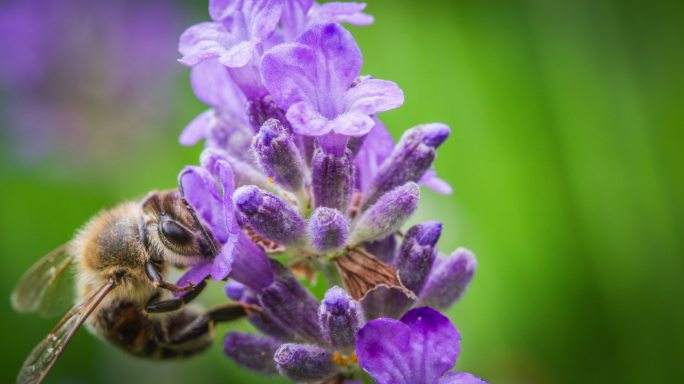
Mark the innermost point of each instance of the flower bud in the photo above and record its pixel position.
(332, 179)
(290, 305)
(269, 216)
(304, 363)
(251, 351)
(340, 318)
(387, 215)
(278, 155)
(328, 229)
(411, 158)
(417, 253)
(448, 279)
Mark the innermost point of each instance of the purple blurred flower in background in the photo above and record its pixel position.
(78, 73)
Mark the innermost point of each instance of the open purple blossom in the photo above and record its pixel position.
(313, 79)
(208, 189)
(418, 349)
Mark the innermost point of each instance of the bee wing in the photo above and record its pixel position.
(44, 287)
(46, 353)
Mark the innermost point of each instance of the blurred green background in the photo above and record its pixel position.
(567, 161)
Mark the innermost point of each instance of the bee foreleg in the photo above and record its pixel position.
(158, 280)
(206, 322)
(176, 303)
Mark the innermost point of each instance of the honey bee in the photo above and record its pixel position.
(121, 257)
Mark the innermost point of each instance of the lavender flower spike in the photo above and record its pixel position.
(448, 279)
(251, 351)
(417, 253)
(305, 363)
(409, 161)
(328, 229)
(278, 155)
(332, 179)
(387, 215)
(418, 349)
(269, 215)
(340, 318)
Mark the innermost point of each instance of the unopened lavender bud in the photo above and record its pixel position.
(387, 215)
(304, 363)
(417, 253)
(278, 155)
(269, 215)
(251, 351)
(448, 279)
(411, 158)
(290, 305)
(340, 317)
(385, 249)
(332, 177)
(328, 229)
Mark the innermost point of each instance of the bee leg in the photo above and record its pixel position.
(176, 303)
(158, 280)
(205, 323)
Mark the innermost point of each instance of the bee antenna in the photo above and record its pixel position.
(205, 233)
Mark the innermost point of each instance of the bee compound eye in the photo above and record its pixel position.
(175, 232)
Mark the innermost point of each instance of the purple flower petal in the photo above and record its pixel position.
(372, 96)
(377, 146)
(418, 349)
(223, 262)
(201, 192)
(212, 84)
(338, 12)
(202, 42)
(339, 61)
(196, 274)
(262, 17)
(352, 123)
(318, 68)
(435, 343)
(238, 55)
(460, 378)
(383, 350)
(306, 120)
(221, 9)
(198, 128)
(433, 182)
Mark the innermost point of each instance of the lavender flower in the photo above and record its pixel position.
(324, 190)
(314, 80)
(418, 349)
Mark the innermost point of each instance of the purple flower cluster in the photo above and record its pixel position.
(299, 177)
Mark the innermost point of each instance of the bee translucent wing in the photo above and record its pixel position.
(59, 294)
(45, 354)
(42, 277)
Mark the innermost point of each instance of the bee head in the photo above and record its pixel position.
(171, 224)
